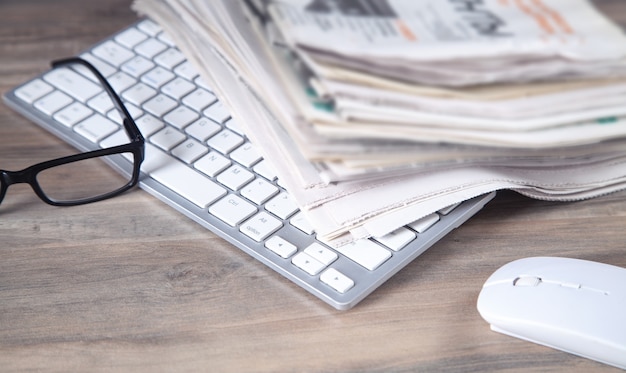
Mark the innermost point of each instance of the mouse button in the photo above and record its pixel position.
(607, 278)
(508, 301)
(587, 275)
(508, 272)
(527, 281)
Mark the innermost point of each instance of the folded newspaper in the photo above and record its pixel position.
(375, 113)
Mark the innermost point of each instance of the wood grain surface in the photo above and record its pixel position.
(129, 284)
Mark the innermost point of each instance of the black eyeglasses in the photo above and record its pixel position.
(86, 177)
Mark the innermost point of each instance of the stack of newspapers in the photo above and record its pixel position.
(375, 113)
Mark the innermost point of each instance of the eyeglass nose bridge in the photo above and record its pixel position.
(15, 177)
(9, 178)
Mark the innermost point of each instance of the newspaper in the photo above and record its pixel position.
(579, 102)
(373, 111)
(453, 42)
(358, 179)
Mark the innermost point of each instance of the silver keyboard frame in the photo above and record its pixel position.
(365, 281)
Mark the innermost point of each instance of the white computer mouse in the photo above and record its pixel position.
(572, 305)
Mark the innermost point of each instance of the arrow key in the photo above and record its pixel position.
(306, 263)
(281, 247)
(321, 253)
(337, 280)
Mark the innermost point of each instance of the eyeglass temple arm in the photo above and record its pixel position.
(129, 124)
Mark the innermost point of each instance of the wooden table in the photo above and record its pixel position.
(130, 284)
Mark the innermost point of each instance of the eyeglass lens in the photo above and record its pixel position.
(94, 176)
(84, 179)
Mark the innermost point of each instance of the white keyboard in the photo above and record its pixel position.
(200, 162)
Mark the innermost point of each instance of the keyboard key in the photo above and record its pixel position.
(96, 128)
(53, 102)
(166, 39)
(33, 90)
(212, 163)
(235, 177)
(138, 94)
(233, 125)
(225, 141)
(321, 253)
(178, 88)
(73, 114)
(148, 125)
(281, 247)
(203, 128)
(337, 280)
(186, 70)
(199, 99)
(149, 27)
(217, 112)
(112, 53)
(264, 169)
(365, 253)
(137, 66)
(246, 155)
(203, 84)
(121, 81)
(181, 117)
(130, 37)
(150, 48)
(260, 226)
(183, 180)
(167, 138)
(189, 151)
(169, 58)
(72, 83)
(156, 77)
(259, 191)
(116, 116)
(302, 223)
(307, 264)
(118, 137)
(282, 206)
(232, 209)
(101, 103)
(397, 239)
(422, 225)
(159, 105)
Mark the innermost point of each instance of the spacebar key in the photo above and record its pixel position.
(177, 176)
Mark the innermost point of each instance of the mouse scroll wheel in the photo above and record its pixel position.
(527, 281)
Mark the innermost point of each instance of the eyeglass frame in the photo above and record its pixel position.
(136, 146)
